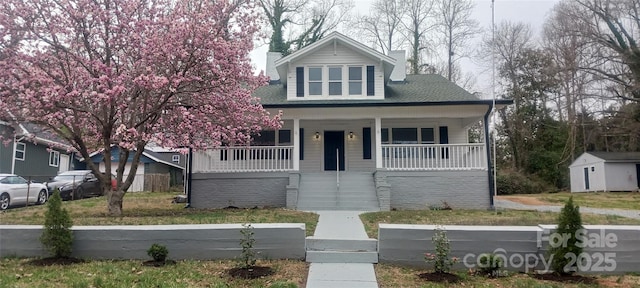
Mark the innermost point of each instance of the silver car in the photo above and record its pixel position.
(14, 190)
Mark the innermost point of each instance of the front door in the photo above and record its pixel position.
(638, 174)
(333, 150)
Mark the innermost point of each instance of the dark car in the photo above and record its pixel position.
(76, 184)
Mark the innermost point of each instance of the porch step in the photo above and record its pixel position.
(319, 191)
(341, 257)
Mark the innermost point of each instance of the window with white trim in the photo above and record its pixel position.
(315, 80)
(175, 158)
(54, 158)
(21, 151)
(355, 80)
(335, 81)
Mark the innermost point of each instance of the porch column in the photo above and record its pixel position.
(378, 138)
(296, 144)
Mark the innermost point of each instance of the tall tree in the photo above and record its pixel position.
(510, 41)
(456, 27)
(613, 25)
(306, 21)
(382, 26)
(126, 72)
(417, 24)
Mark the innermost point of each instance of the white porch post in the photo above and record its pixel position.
(296, 144)
(378, 142)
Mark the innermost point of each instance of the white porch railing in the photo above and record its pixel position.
(244, 159)
(434, 156)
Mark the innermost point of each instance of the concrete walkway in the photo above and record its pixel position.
(341, 225)
(507, 204)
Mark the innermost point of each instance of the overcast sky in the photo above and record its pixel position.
(533, 12)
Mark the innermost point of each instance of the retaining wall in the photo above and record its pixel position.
(524, 247)
(200, 242)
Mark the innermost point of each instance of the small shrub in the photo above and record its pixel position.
(569, 223)
(490, 264)
(158, 252)
(248, 255)
(57, 236)
(440, 259)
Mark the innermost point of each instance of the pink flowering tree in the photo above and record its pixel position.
(128, 72)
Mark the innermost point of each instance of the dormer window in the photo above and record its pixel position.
(315, 81)
(335, 81)
(355, 80)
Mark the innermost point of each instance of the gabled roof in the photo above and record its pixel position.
(282, 64)
(153, 156)
(424, 89)
(40, 135)
(617, 156)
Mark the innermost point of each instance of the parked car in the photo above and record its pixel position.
(77, 184)
(14, 190)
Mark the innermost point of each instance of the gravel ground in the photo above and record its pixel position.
(506, 204)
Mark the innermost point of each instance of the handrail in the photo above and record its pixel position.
(338, 168)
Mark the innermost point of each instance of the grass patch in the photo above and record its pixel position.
(478, 217)
(395, 276)
(147, 208)
(618, 200)
(18, 273)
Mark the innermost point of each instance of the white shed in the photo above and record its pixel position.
(605, 171)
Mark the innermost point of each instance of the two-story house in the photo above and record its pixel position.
(358, 134)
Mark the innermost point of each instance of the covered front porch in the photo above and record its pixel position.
(398, 147)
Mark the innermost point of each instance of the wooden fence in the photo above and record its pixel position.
(156, 182)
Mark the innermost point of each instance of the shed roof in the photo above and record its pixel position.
(617, 156)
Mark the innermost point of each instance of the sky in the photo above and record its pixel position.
(533, 12)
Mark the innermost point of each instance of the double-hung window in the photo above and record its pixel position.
(315, 80)
(21, 149)
(355, 80)
(335, 81)
(54, 158)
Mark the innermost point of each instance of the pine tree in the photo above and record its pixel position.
(565, 255)
(57, 236)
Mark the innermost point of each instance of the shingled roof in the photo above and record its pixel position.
(617, 156)
(426, 89)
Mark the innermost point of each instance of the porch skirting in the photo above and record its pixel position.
(243, 190)
(419, 190)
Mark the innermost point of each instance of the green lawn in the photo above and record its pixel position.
(395, 276)
(619, 200)
(146, 208)
(478, 217)
(20, 273)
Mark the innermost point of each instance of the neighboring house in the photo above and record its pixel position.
(605, 171)
(29, 151)
(358, 133)
(151, 163)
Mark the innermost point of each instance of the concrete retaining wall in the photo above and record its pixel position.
(243, 190)
(421, 190)
(524, 247)
(203, 242)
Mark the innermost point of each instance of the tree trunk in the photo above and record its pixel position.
(114, 201)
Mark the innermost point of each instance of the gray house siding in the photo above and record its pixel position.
(35, 165)
(6, 149)
(243, 190)
(421, 190)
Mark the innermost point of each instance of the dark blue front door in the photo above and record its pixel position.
(333, 150)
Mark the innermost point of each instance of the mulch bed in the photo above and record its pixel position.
(154, 263)
(50, 261)
(439, 277)
(574, 279)
(250, 273)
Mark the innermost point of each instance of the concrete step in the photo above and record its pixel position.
(341, 257)
(336, 208)
(344, 245)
